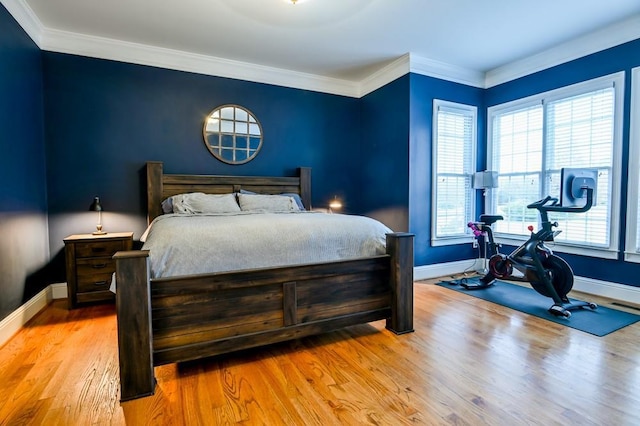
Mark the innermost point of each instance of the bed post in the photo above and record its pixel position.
(133, 304)
(400, 248)
(154, 190)
(305, 186)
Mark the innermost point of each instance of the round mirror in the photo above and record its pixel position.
(232, 134)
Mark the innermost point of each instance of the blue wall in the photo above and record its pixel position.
(23, 201)
(620, 58)
(21, 121)
(385, 170)
(423, 91)
(397, 148)
(106, 118)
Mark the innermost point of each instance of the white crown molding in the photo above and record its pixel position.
(444, 71)
(423, 66)
(385, 75)
(605, 38)
(27, 19)
(105, 48)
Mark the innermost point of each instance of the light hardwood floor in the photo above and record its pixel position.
(469, 362)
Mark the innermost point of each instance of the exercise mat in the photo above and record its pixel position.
(599, 322)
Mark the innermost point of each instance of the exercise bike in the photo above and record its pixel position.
(547, 273)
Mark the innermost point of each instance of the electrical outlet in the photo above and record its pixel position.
(474, 243)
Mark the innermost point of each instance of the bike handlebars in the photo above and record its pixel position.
(555, 207)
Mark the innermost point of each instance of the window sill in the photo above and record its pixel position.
(631, 257)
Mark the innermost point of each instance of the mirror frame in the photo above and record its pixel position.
(232, 134)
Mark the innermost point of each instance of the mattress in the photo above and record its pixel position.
(182, 244)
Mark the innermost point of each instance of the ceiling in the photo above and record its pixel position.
(343, 40)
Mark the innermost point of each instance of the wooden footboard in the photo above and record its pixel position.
(169, 320)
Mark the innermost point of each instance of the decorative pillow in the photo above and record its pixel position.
(268, 203)
(198, 203)
(296, 197)
(167, 205)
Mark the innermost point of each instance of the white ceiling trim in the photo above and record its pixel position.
(444, 71)
(386, 75)
(104, 48)
(605, 38)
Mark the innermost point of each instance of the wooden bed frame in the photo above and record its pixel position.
(177, 319)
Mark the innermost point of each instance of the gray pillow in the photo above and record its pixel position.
(200, 203)
(296, 197)
(267, 203)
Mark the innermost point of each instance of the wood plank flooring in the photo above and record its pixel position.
(469, 362)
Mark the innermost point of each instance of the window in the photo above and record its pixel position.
(632, 249)
(530, 140)
(454, 142)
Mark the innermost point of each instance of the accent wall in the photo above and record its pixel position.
(24, 249)
(105, 119)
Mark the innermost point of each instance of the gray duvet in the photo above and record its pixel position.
(196, 244)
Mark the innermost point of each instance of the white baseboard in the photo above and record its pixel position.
(621, 292)
(18, 318)
(611, 290)
(444, 269)
(59, 290)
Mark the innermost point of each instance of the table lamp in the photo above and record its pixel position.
(97, 207)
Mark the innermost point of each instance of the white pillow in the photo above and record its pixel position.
(267, 203)
(198, 203)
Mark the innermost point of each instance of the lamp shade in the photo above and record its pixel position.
(95, 206)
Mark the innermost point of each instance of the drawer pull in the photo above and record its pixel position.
(100, 283)
(98, 249)
(99, 266)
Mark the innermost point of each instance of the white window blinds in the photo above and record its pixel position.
(517, 156)
(453, 161)
(580, 134)
(533, 139)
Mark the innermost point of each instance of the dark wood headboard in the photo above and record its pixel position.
(160, 185)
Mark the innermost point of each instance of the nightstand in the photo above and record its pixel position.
(90, 266)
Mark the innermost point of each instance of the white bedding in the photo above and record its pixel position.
(194, 244)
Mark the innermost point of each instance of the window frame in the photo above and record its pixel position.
(615, 80)
(472, 111)
(631, 254)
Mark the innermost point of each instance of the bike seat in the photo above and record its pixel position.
(489, 219)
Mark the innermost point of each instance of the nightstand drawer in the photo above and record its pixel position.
(99, 248)
(95, 265)
(90, 265)
(95, 282)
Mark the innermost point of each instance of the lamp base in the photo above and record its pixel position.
(98, 233)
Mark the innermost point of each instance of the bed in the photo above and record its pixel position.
(180, 318)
